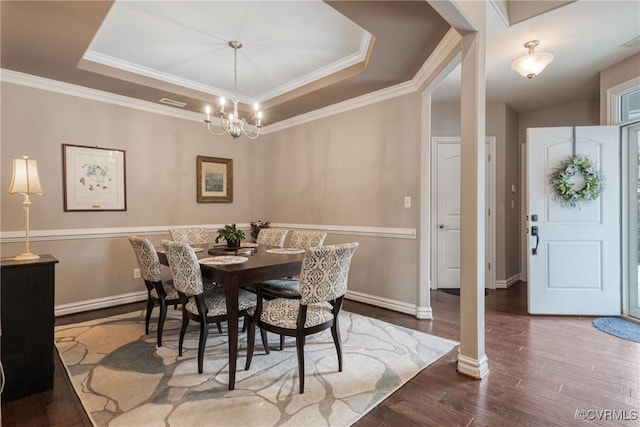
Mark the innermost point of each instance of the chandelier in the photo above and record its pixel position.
(233, 124)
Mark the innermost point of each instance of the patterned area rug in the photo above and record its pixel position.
(123, 379)
(618, 327)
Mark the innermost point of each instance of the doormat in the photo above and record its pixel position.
(456, 291)
(618, 327)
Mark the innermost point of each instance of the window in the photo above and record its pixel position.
(630, 105)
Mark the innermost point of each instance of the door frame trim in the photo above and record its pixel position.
(490, 237)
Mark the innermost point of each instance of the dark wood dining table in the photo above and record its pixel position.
(260, 266)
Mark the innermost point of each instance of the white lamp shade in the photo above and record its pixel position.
(25, 179)
(531, 65)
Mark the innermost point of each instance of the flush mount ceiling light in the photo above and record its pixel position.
(532, 64)
(233, 124)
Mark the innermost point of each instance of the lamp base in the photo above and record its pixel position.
(26, 256)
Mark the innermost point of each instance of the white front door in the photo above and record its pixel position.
(447, 213)
(576, 268)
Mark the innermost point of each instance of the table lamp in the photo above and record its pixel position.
(25, 180)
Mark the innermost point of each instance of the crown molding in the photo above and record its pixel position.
(448, 47)
(56, 86)
(344, 106)
(450, 43)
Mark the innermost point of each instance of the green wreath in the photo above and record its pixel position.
(576, 180)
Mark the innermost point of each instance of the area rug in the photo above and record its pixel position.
(618, 327)
(123, 379)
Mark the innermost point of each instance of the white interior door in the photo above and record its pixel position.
(447, 206)
(577, 267)
(448, 216)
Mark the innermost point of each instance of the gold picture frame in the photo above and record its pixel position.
(214, 180)
(94, 178)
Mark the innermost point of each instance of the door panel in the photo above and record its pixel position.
(576, 269)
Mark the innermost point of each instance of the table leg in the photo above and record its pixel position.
(231, 294)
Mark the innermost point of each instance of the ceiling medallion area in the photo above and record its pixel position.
(232, 124)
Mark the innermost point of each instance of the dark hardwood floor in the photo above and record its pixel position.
(544, 371)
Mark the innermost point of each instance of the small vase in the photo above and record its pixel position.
(233, 244)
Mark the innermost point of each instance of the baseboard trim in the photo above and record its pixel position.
(390, 304)
(94, 304)
(112, 301)
(504, 284)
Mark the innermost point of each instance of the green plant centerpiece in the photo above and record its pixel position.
(231, 234)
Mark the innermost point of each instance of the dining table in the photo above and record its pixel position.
(262, 263)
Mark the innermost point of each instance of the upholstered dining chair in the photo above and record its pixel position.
(192, 236)
(159, 292)
(299, 240)
(323, 284)
(272, 237)
(198, 305)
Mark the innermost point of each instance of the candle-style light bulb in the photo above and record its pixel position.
(222, 102)
(256, 107)
(207, 109)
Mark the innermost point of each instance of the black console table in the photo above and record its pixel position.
(26, 311)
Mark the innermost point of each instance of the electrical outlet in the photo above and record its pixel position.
(407, 201)
(136, 273)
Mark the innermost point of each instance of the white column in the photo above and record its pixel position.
(472, 360)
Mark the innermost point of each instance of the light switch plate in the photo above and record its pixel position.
(407, 201)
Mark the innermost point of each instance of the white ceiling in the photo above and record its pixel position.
(285, 44)
(585, 37)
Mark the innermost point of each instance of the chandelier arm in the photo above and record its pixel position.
(214, 133)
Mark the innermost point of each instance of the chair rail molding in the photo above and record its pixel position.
(100, 233)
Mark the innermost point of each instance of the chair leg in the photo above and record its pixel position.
(147, 318)
(183, 330)
(219, 327)
(244, 325)
(300, 351)
(161, 319)
(281, 342)
(204, 331)
(251, 337)
(335, 331)
(265, 341)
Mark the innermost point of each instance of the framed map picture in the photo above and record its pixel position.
(215, 179)
(94, 178)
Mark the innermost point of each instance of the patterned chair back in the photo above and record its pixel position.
(147, 258)
(325, 271)
(306, 239)
(192, 236)
(185, 269)
(272, 237)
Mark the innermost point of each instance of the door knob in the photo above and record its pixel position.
(442, 226)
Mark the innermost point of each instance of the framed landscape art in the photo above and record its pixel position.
(215, 179)
(94, 178)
